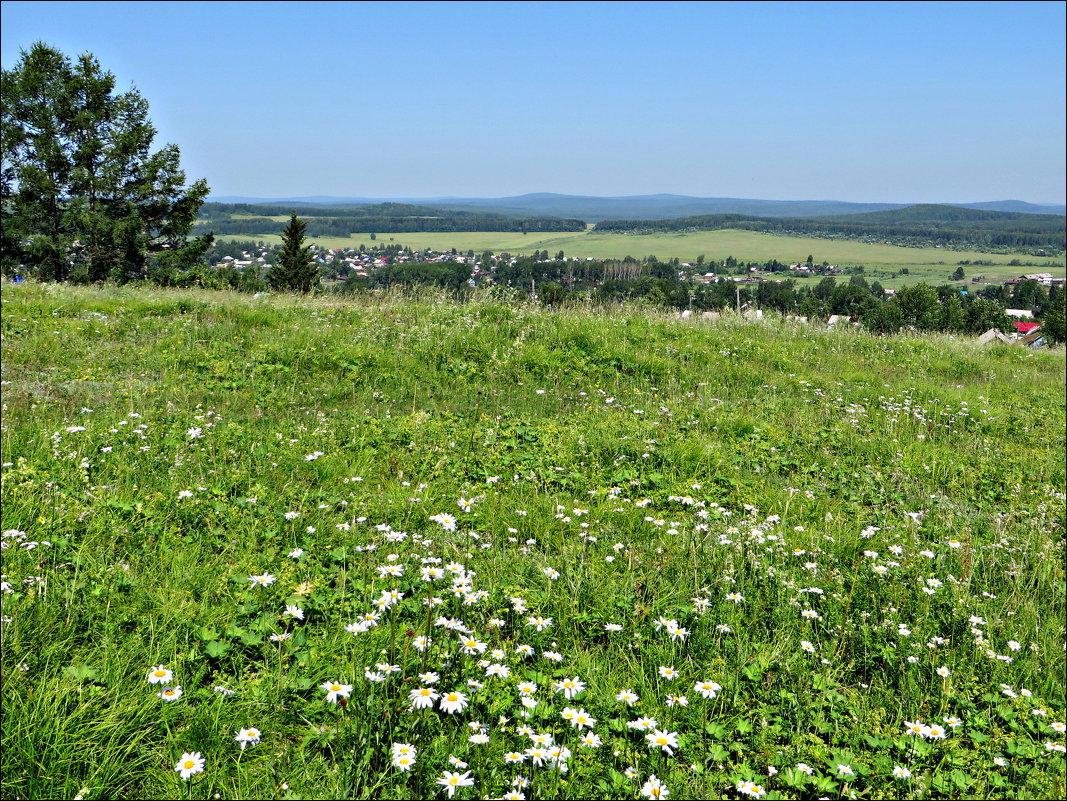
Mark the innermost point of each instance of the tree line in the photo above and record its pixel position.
(246, 219)
(915, 226)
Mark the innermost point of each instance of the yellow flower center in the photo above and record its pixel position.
(189, 764)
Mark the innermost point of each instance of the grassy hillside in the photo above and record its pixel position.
(733, 558)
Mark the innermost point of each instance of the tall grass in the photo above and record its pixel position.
(822, 519)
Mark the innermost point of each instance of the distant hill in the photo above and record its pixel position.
(921, 225)
(638, 207)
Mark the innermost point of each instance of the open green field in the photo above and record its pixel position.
(401, 547)
(883, 262)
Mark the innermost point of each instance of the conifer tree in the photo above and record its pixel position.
(295, 270)
(82, 193)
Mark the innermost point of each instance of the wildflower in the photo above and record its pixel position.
(552, 573)
(677, 700)
(185, 494)
(630, 772)
(736, 597)
(481, 738)
(591, 740)
(654, 788)
(224, 691)
(810, 614)
(582, 720)
(668, 673)
(450, 781)
(807, 647)
(629, 696)
(423, 698)
(527, 688)
(247, 737)
(914, 727)
(429, 677)
(935, 732)
(642, 724)
(901, 772)
(943, 672)
(171, 693)
(296, 553)
(514, 758)
(1052, 745)
(708, 689)
(805, 768)
(723, 628)
(953, 722)
(552, 656)
(524, 651)
(159, 675)
(569, 687)
(1058, 726)
(453, 702)
(665, 740)
(540, 623)
(285, 635)
(264, 580)
(334, 689)
(845, 770)
(472, 646)
(189, 764)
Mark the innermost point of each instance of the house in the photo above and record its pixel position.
(1019, 313)
(993, 335)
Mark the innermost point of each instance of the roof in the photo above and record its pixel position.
(1026, 328)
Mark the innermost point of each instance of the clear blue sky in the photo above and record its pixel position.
(890, 102)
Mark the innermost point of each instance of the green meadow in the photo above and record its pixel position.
(884, 262)
(403, 547)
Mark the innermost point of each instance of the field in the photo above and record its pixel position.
(881, 262)
(400, 547)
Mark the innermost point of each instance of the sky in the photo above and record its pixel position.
(869, 102)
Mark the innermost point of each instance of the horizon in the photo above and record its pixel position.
(402, 198)
(856, 102)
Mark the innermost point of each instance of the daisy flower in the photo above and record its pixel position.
(708, 689)
(423, 698)
(159, 675)
(334, 690)
(664, 740)
(453, 702)
(570, 687)
(451, 781)
(171, 693)
(247, 737)
(654, 788)
(189, 764)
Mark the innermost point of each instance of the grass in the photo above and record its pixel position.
(715, 481)
(882, 262)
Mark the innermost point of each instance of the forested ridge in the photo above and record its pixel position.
(384, 218)
(917, 226)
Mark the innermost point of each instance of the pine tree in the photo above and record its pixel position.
(295, 270)
(83, 195)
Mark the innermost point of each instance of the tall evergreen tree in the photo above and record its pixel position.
(294, 270)
(82, 192)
